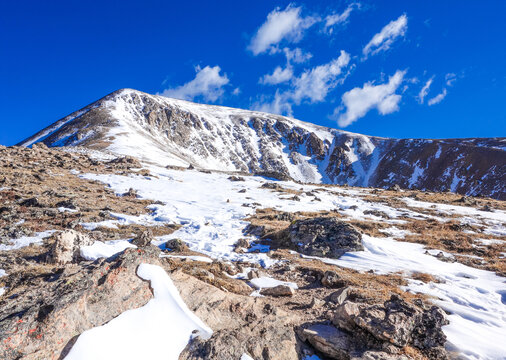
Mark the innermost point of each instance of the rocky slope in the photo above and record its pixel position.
(76, 226)
(180, 133)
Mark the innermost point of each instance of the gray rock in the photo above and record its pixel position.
(66, 245)
(280, 290)
(332, 280)
(325, 237)
(176, 245)
(395, 322)
(340, 295)
(143, 239)
(330, 341)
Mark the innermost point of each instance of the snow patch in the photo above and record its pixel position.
(160, 329)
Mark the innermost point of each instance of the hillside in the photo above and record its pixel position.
(106, 257)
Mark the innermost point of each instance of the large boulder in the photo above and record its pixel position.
(396, 322)
(66, 245)
(325, 237)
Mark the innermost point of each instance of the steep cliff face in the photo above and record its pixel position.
(175, 132)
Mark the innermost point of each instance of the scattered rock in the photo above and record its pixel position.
(395, 187)
(236, 178)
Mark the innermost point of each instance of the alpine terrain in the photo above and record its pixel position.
(175, 132)
(144, 227)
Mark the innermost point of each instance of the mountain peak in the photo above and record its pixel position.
(181, 133)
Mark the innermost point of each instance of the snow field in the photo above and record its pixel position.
(211, 210)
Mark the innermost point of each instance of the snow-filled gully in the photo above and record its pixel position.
(211, 210)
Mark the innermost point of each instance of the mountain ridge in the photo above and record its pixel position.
(181, 133)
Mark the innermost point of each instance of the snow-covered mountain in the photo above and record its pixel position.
(179, 133)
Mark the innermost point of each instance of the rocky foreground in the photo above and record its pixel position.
(54, 287)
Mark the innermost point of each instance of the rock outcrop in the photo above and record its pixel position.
(324, 237)
(53, 307)
(362, 329)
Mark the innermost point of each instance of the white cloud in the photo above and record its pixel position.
(297, 55)
(280, 24)
(425, 90)
(336, 19)
(279, 105)
(359, 101)
(314, 84)
(384, 39)
(279, 76)
(450, 78)
(437, 99)
(208, 83)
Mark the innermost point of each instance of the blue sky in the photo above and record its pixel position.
(430, 69)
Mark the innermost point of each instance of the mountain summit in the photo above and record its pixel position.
(181, 133)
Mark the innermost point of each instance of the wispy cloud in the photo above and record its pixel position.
(438, 98)
(280, 24)
(297, 55)
(279, 105)
(336, 18)
(385, 38)
(312, 85)
(425, 90)
(359, 101)
(207, 83)
(450, 78)
(279, 76)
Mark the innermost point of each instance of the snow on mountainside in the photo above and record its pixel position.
(175, 132)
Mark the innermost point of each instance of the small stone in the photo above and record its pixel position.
(131, 193)
(280, 290)
(332, 280)
(176, 245)
(143, 239)
(340, 295)
(253, 274)
(240, 245)
(316, 303)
